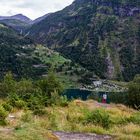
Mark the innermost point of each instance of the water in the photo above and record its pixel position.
(77, 94)
(115, 97)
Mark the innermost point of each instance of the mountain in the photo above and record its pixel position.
(101, 35)
(16, 54)
(25, 59)
(18, 25)
(39, 19)
(19, 17)
(19, 22)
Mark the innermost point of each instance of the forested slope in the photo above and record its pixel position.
(101, 35)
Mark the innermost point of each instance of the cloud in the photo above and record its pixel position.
(31, 8)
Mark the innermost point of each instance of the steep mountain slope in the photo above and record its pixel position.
(16, 54)
(18, 25)
(24, 58)
(101, 35)
(39, 19)
(19, 22)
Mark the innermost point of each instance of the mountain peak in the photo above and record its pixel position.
(20, 17)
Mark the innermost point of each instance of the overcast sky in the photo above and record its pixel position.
(31, 8)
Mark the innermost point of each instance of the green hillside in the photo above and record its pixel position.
(73, 74)
(102, 36)
(16, 24)
(26, 59)
(16, 53)
(67, 71)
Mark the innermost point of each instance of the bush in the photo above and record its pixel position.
(34, 103)
(63, 101)
(135, 118)
(7, 86)
(15, 101)
(50, 85)
(134, 93)
(39, 111)
(7, 107)
(56, 99)
(12, 98)
(98, 117)
(26, 117)
(20, 104)
(3, 115)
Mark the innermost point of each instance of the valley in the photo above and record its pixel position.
(73, 74)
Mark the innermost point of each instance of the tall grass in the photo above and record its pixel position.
(118, 121)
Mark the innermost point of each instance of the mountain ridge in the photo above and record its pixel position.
(20, 17)
(86, 32)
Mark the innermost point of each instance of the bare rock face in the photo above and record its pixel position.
(110, 67)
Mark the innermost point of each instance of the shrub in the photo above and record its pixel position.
(7, 107)
(7, 86)
(98, 117)
(135, 118)
(39, 111)
(15, 101)
(134, 93)
(26, 89)
(20, 104)
(63, 101)
(26, 117)
(34, 103)
(3, 115)
(12, 98)
(50, 85)
(56, 99)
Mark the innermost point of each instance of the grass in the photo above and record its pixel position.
(52, 58)
(127, 132)
(124, 122)
(119, 83)
(49, 56)
(69, 81)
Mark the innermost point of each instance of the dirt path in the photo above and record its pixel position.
(81, 136)
(93, 104)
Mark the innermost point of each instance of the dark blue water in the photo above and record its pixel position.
(115, 97)
(77, 94)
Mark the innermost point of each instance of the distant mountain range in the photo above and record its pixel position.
(17, 17)
(20, 22)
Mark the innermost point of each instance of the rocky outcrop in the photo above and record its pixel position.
(110, 67)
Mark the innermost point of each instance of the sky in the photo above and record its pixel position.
(31, 8)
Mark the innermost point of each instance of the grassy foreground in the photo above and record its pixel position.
(117, 120)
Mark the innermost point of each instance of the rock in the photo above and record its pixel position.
(81, 136)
